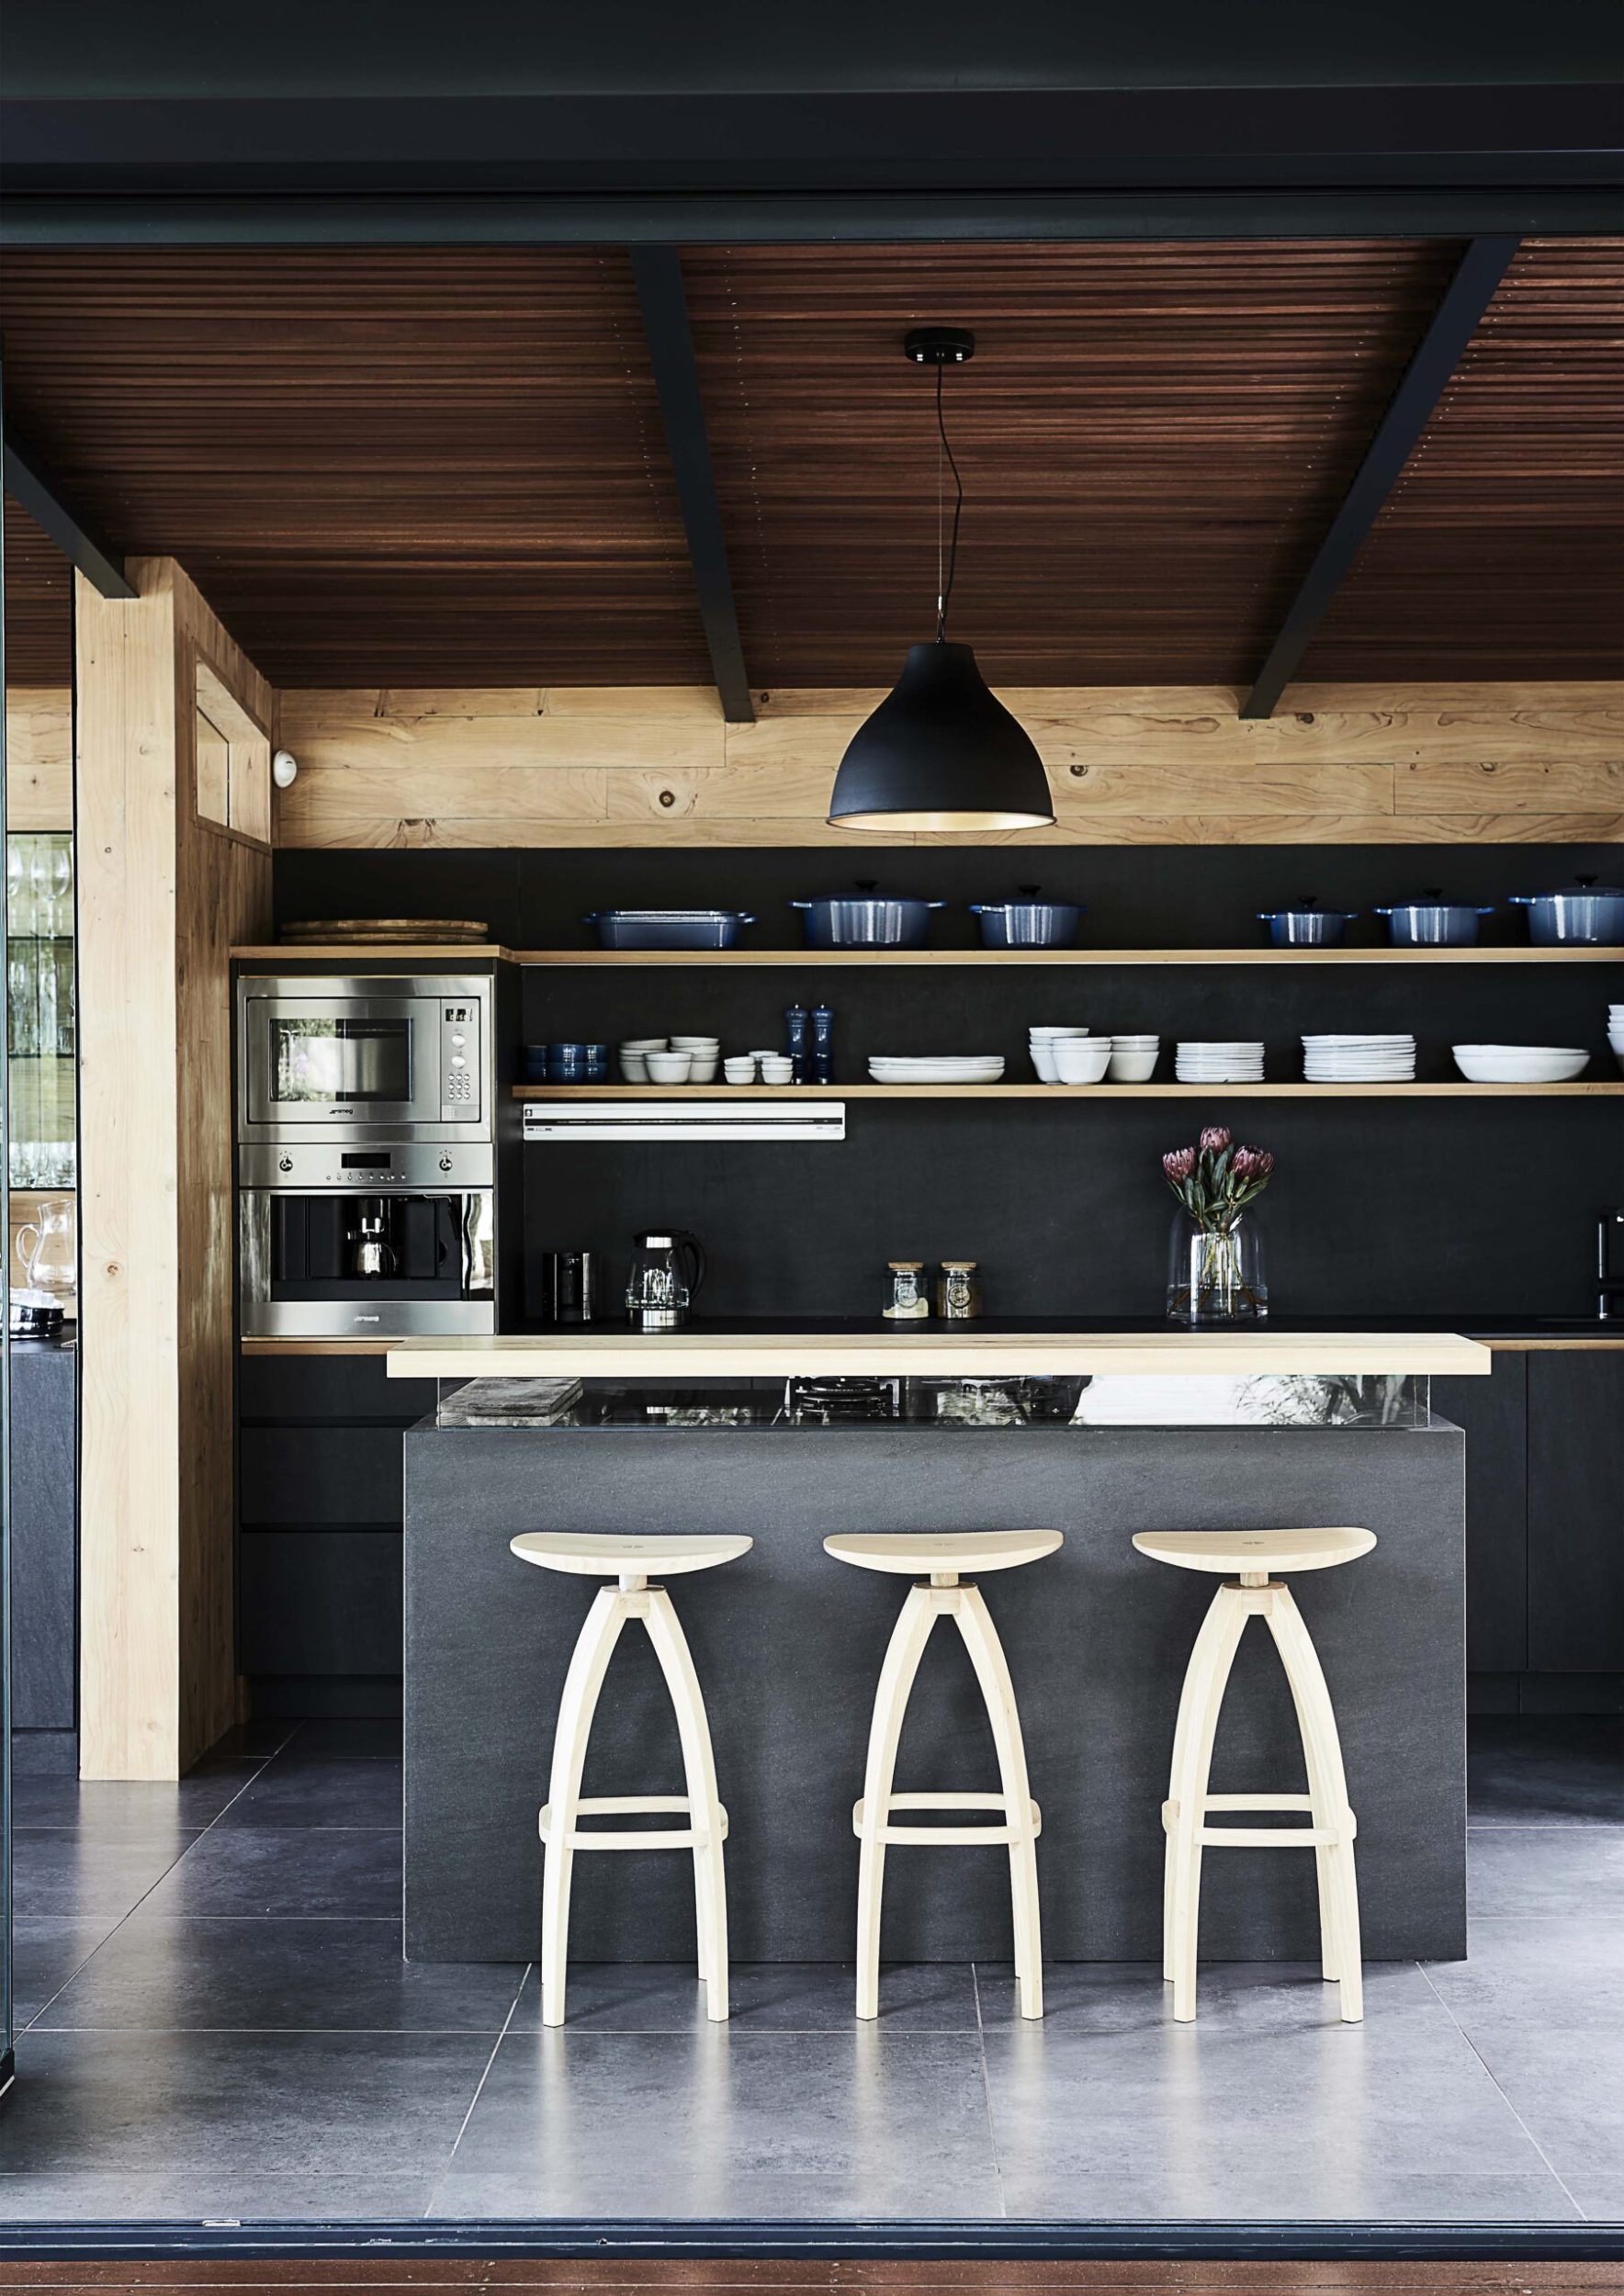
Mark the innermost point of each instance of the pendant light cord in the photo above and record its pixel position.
(944, 584)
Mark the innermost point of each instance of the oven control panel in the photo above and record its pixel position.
(369, 1171)
(459, 1059)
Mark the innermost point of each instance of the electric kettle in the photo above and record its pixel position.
(668, 1267)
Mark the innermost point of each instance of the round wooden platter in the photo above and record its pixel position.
(416, 930)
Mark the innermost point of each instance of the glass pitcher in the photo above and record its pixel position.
(46, 1247)
(668, 1267)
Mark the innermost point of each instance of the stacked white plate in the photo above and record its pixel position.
(966, 1068)
(1346, 1060)
(1218, 1061)
(1519, 1064)
(1616, 1033)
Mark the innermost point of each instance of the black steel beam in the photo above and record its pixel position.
(27, 484)
(208, 218)
(664, 308)
(1450, 329)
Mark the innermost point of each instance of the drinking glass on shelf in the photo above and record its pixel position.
(18, 905)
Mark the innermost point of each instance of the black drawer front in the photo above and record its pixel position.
(320, 1602)
(318, 1478)
(327, 1387)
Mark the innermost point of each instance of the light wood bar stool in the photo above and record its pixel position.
(627, 1560)
(1254, 1557)
(944, 1555)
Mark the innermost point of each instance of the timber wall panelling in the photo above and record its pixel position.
(163, 893)
(38, 757)
(1128, 765)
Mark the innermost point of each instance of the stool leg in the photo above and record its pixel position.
(907, 1647)
(699, 1768)
(992, 1672)
(1327, 1787)
(588, 1664)
(1204, 1682)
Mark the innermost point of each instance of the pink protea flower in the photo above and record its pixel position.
(1253, 1164)
(1178, 1164)
(1214, 1139)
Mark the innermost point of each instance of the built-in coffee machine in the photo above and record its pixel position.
(366, 1156)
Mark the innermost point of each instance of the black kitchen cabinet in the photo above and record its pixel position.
(318, 1539)
(1494, 1412)
(1576, 1512)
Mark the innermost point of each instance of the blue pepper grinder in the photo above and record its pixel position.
(823, 1044)
(796, 1020)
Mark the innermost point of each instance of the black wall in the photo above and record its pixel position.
(1481, 1207)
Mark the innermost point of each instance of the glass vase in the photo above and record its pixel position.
(1215, 1274)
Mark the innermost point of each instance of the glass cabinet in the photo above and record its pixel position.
(41, 1019)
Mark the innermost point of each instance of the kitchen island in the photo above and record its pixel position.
(788, 1645)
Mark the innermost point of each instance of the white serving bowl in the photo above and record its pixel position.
(740, 1070)
(1130, 1066)
(1047, 1034)
(1042, 1060)
(1519, 1064)
(777, 1069)
(668, 1068)
(696, 1045)
(645, 1044)
(1082, 1061)
(702, 1068)
(634, 1067)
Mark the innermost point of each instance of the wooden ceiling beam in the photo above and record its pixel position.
(663, 304)
(1450, 329)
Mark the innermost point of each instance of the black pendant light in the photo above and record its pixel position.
(940, 752)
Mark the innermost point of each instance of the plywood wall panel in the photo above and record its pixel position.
(38, 757)
(1411, 764)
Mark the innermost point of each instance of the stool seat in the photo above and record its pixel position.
(907, 1553)
(1224, 1551)
(614, 1554)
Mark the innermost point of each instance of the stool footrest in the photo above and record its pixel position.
(951, 1837)
(629, 1836)
(1262, 1837)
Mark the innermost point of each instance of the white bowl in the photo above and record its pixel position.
(634, 1067)
(1135, 1043)
(1082, 1062)
(1519, 1064)
(1132, 1068)
(668, 1068)
(1047, 1034)
(778, 1072)
(740, 1070)
(1042, 1060)
(702, 1068)
(696, 1045)
(645, 1044)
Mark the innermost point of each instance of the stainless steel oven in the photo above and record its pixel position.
(404, 1057)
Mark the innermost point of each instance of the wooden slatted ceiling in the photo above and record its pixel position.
(39, 605)
(422, 467)
(1500, 551)
(1152, 437)
(407, 469)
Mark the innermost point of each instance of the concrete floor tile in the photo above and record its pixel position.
(1383, 2096)
(63, 1871)
(46, 1949)
(337, 1792)
(312, 2104)
(1254, 1996)
(286, 1871)
(764, 1997)
(104, 1811)
(714, 2124)
(1546, 1769)
(225, 2196)
(198, 1973)
(1543, 1870)
(1552, 1972)
(1566, 2088)
(364, 1737)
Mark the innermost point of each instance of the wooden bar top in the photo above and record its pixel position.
(964, 1351)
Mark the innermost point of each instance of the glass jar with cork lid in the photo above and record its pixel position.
(958, 1291)
(907, 1298)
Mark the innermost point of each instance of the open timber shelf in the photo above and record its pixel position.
(1580, 1091)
